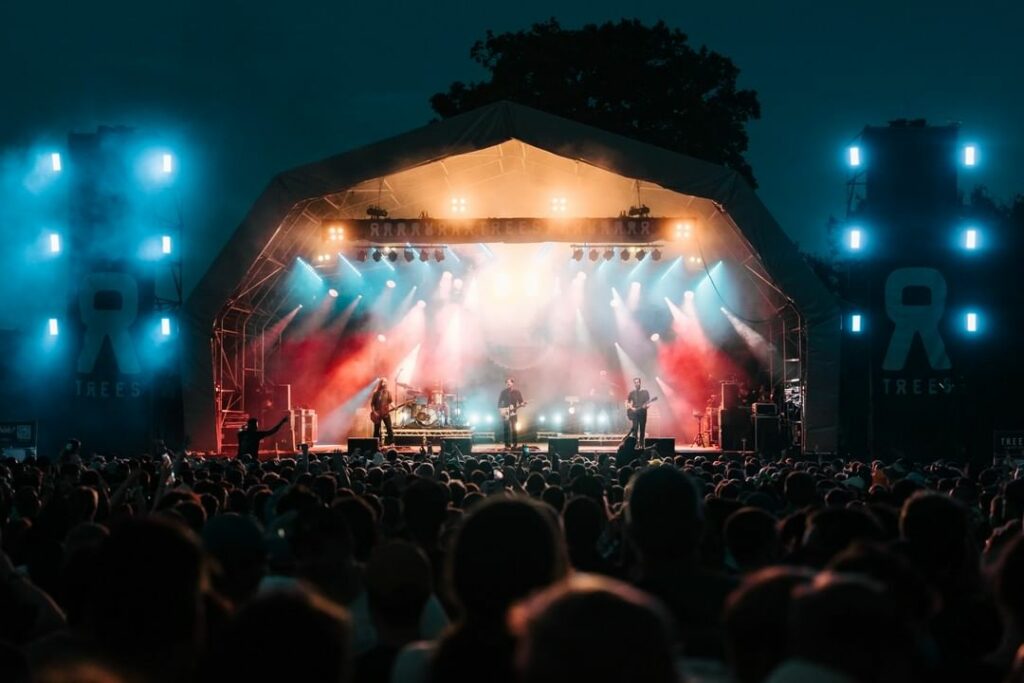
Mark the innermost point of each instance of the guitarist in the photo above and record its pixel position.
(380, 411)
(636, 410)
(508, 402)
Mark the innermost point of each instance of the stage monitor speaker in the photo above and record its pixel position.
(565, 448)
(730, 395)
(736, 430)
(767, 436)
(365, 446)
(465, 446)
(627, 452)
(666, 448)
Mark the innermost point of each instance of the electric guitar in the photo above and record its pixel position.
(376, 417)
(632, 413)
(508, 412)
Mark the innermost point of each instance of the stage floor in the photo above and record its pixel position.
(535, 448)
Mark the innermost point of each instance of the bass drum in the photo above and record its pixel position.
(428, 416)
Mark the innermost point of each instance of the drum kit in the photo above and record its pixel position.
(437, 406)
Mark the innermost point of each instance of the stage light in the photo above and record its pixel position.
(614, 303)
(361, 255)
(688, 294)
(473, 419)
(421, 304)
(683, 229)
(377, 255)
(439, 255)
(490, 419)
(853, 156)
(381, 338)
(392, 256)
(424, 255)
(593, 254)
(390, 284)
(165, 327)
(856, 323)
(559, 204)
(577, 254)
(333, 293)
(459, 205)
(656, 255)
(588, 419)
(971, 239)
(410, 255)
(572, 410)
(165, 244)
(55, 162)
(608, 254)
(323, 258)
(167, 163)
(655, 337)
(970, 155)
(53, 327)
(54, 243)
(640, 253)
(557, 419)
(971, 322)
(624, 254)
(855, 239)
(334, 232)
(542, 419)
(457, 284)
(602, 418)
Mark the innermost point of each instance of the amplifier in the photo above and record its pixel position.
(304, 426)
(767, 436)
(766, 408)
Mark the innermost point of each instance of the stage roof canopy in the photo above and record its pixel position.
(509, 161)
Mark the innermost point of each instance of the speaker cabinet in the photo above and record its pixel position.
(365, 446)
(736, 430)
(666, 448)
(730, 395)
(767, 436)
(465, 446)
(565, 448)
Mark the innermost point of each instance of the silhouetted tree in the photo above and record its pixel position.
(645, 82)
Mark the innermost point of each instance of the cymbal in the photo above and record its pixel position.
(410, 388)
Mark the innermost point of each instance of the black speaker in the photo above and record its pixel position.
(627, 452)
(666, 448)
(767, 436)
(465, 446)
(730, 395)
(366, 446)
(565, 448)
(735, 428)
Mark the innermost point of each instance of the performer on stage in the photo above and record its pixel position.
(249, 436)
(636, 410)
(380, 411)
(509, 402)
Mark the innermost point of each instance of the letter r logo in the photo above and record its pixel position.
(108, 304)
(915, 318)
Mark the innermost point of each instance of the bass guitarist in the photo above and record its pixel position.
(509, 401)
(380, 411)
(636, 411)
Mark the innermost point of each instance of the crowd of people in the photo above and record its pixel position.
(430, 568)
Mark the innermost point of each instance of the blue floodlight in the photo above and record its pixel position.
(856, 323)
(54, 242)
(853, 156)
(971, 239)
(165, 327)
(53, 327)
(55, 162)
(970, 156)
(971, 322)
(855, 239)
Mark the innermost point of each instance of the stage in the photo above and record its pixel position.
(536, 448)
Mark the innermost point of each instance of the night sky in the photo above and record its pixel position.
(248, 88)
